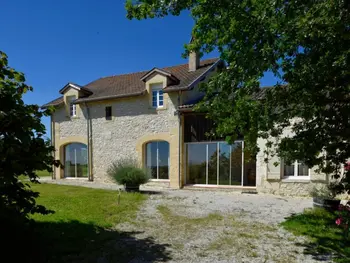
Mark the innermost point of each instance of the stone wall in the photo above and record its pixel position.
(270, 178)
(133, 119)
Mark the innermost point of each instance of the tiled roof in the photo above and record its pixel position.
(55, 102)
(131, 84)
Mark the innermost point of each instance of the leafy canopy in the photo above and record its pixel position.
(303, 43)
(23, 149)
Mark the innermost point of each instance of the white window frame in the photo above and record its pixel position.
(72, 106)
(157, 88)
(295, 176)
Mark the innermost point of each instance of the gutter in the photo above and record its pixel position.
(110, 97)
(89, 141)
(180, 139)
(53, 144)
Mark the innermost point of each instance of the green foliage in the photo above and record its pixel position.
(303, 43)
(128, 172)
(323, 192)
(325, 237)
(81, 228)
(23, 148)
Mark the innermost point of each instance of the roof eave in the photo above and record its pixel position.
(82, 100)
(76, 87)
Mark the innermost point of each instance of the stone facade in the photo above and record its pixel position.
(270, 179)
(134, 123)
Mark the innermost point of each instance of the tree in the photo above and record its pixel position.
(305, 44)
(23, 149)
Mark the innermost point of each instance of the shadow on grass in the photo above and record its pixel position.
(326, 240)
(78, 242)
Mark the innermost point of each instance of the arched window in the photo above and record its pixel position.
(75, 160)
(157, 159)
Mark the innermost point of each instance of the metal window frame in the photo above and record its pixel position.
(218, 161)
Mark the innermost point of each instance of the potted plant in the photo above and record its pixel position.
(325, 196)
(129, 173)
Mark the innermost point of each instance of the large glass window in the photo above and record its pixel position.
(157, 159)
(196, 163)
(218, 163)
(75, 160)
(236, 164)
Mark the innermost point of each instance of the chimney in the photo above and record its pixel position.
(193, 61)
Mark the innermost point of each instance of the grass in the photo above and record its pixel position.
(325, 238)
(41, 174)
(189, 225)
(82, 227)
(91, 206)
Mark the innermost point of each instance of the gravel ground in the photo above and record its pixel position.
(212, 226)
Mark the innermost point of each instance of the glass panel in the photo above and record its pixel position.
(196, 163)
(236, 163)
(151, 158)
(160, 102)
(69, 162)
(163, 160)
(288, 169)
(212, 163)
(224, 163)
(303, 169)
(249, 178)
(76, 160)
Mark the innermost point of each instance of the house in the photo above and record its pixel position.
(149, 116)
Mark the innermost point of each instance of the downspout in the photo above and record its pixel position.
(89, 141)
(180, 137)
(53, 144)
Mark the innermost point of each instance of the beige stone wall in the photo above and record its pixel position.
(270, 177)
(134, 123)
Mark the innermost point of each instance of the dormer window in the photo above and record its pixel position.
(72, 106)
(157, 95)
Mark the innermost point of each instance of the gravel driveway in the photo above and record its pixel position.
(214, 226)
(210, 226)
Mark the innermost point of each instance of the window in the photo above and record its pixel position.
(108, 113)
(75, 160)
(296, 169)
(157, 95)
(219, 163)
(157, 159)
(72, 106)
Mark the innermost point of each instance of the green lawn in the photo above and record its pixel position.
(325, 237)
(81, 229)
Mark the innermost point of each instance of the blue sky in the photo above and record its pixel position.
(56, 42)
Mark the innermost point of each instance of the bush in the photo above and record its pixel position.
(128, 172)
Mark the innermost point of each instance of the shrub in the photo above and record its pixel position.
(128, 172)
